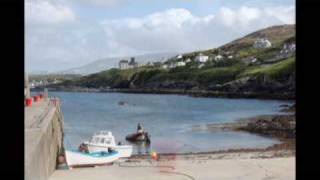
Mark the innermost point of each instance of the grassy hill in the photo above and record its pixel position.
(270, 73)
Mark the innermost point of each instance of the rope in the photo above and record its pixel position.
(140, 166)
(179, 173)
(162, 171)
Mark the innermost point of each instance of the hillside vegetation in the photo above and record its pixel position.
(271, 72)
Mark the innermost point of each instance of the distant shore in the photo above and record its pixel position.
(193, 93)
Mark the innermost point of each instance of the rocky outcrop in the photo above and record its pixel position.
(281, 126)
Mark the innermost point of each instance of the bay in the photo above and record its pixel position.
(169, 119)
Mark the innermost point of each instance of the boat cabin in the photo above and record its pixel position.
(103, 138)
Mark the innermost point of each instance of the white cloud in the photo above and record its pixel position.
(43, 12)
(285, 14)
(53, 43)
(100, 2)
(180, 30)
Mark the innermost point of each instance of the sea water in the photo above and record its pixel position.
(169, 119)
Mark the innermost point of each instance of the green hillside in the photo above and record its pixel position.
(270, 71)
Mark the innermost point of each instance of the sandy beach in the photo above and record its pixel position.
(254, 165)
(276, 162)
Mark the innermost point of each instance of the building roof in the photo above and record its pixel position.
(123, 61)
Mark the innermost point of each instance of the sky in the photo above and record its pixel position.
(63, 34)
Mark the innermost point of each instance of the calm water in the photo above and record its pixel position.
(168, 118)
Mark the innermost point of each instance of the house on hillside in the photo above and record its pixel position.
(218, 58)
(180, 63)
(172, 65)
(200, 66)
(288, 48)
(253, 59)
(132, 63)
(179, 56)
(201, 58)
(230, 57)
(188, 60)
(123, 64)
(165, 66)
(262, 43)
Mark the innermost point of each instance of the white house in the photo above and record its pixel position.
(123, 64)
(180, 63)
(165, 66)
(292, 47)
(288, 48)
(218, 58)
(253, 59)
(202, 58)
(230, 57)
(200, 66)
(188, 60)
(262, 43)
(172, 65)
(179, 56)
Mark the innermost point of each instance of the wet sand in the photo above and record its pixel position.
(271, 164)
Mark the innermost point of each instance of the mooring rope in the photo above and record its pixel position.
(179, 173)
(140, 166)
(162, 171)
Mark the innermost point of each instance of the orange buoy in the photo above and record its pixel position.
(154, 156)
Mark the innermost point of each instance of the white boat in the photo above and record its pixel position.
(103, 140)
(76, 158)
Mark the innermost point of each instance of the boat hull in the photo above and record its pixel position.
(123, 150)
(75, 158)
(137, 137)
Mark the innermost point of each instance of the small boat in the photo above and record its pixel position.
(144, 136)
(102, 141)
(76, 158)
(122, 103)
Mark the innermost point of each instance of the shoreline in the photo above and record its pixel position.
(287, 140)
(192, 93)
(224, 166)
(275, 162)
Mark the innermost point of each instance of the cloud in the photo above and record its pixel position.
(55, 42)
(44, 12)
(180, 30)
(100, 2)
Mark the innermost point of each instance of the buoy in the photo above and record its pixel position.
(61, 159)
(154, 156)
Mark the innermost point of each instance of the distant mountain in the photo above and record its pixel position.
(107, 63)
(38, 72)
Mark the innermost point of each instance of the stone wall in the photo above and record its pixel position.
(46, 143)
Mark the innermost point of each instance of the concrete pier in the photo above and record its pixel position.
(43, 138)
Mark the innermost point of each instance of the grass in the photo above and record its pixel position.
(276, 71)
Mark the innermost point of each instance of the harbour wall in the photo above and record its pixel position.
(43, 143)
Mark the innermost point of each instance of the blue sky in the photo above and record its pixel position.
(62, 34)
